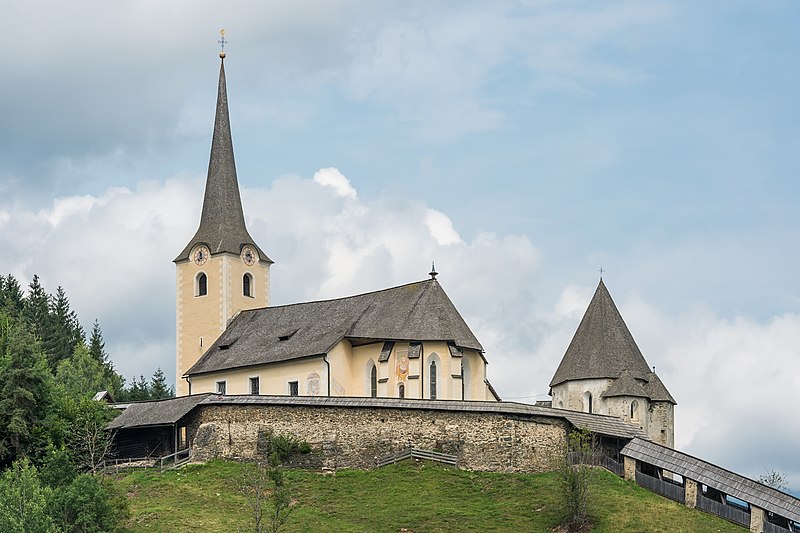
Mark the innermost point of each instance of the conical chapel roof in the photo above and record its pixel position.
(602, 347)
(222, 226)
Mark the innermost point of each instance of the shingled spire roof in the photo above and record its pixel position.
(602, 347)
(222, 226)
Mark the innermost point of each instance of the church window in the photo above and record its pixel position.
(221, 386)
(254, 385)
(202, 284)
(247, 285)
(432, 380)
(373, 382)
(294, 389)
(401, 391)
(634, 410)
(587, 402)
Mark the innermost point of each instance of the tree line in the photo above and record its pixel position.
(52, 433)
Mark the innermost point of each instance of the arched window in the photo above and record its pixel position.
(401, 391)
(247, 284)
(432, 380)
(202, 284)
(373, 382)
(634, 410)
(587, 402)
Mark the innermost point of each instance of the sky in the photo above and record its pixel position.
(520, 145)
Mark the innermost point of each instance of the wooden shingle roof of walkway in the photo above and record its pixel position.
(713, 476)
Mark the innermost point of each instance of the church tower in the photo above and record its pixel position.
(222, 270)
(603, 371)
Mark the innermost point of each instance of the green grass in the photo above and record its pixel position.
(411, 496)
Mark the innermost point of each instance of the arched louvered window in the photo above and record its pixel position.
(247, 285)
(202, 284)
(432, 380)
(373, 382)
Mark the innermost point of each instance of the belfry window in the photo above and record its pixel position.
(247, 285)
(373, 382)
(432, 380)
(202, 284)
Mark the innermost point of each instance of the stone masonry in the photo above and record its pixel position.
(355, 437)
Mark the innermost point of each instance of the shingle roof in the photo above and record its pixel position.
(222, 226)
(625, 385)
(602, 346)
(418, 311)
(715, 477)
(156, 413)
(656, 390)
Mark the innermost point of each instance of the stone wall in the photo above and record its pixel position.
(354, 437)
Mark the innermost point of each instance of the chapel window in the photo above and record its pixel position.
(202, 284)
(587, 402)
(254, 385)
(294, 389)
(247, 284)
(221, 386)
(432, 380)
(634, 410)
(373, 382)
(401, 391)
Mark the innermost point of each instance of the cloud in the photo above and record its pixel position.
(734, 378)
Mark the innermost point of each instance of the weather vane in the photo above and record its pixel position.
(222, 42)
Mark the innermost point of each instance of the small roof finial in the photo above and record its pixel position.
(222, 42)
(601, 273)
(433, 272)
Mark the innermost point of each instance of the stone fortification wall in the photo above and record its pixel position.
(354, 437)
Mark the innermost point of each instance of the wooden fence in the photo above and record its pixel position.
(769, 527)
(728, 512)
(418, 454)
(673, 491)
(175, 460)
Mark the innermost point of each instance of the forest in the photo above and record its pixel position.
(52, 433)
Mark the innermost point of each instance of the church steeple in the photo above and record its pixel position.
(222, 226)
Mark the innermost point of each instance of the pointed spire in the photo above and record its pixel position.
(222, 226)
(602, 347)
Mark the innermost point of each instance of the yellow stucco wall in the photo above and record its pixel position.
(310, 375)
(201, 319)
(350, 374)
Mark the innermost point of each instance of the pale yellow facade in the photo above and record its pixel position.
(347, 371)
(201, 319)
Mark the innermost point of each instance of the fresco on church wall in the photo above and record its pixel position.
(401, 365)
(312, 384)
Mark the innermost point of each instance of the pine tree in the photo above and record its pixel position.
(158, 387)
(36, 309)
(96, 343)
(64, 332)
(25, 384)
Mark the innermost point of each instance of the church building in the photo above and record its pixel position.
(604, 372)
(401, 342)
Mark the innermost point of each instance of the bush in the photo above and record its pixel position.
(23, 501)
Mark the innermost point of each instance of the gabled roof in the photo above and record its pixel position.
(156, 413)
(222, 226)
(418, 311)
(715, 477)
(602, 347)
(625, 385)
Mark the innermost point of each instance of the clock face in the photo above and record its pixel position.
(201, 255)
(248, 256)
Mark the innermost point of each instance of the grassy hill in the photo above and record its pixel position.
(411, 496)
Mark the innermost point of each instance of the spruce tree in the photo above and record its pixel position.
(36, 309)
(158, 387)
(11, 297)
(64, 332)
(25, 384)
(96, 344)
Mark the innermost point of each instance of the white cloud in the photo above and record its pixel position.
(734, 379)
(333, 178)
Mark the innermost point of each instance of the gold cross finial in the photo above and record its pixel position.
(222, 42)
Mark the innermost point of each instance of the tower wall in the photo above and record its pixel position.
(200, 320)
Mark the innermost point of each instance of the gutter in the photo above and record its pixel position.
(190, 384)
(325, 358)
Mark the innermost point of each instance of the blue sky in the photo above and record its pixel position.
(520, 145)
